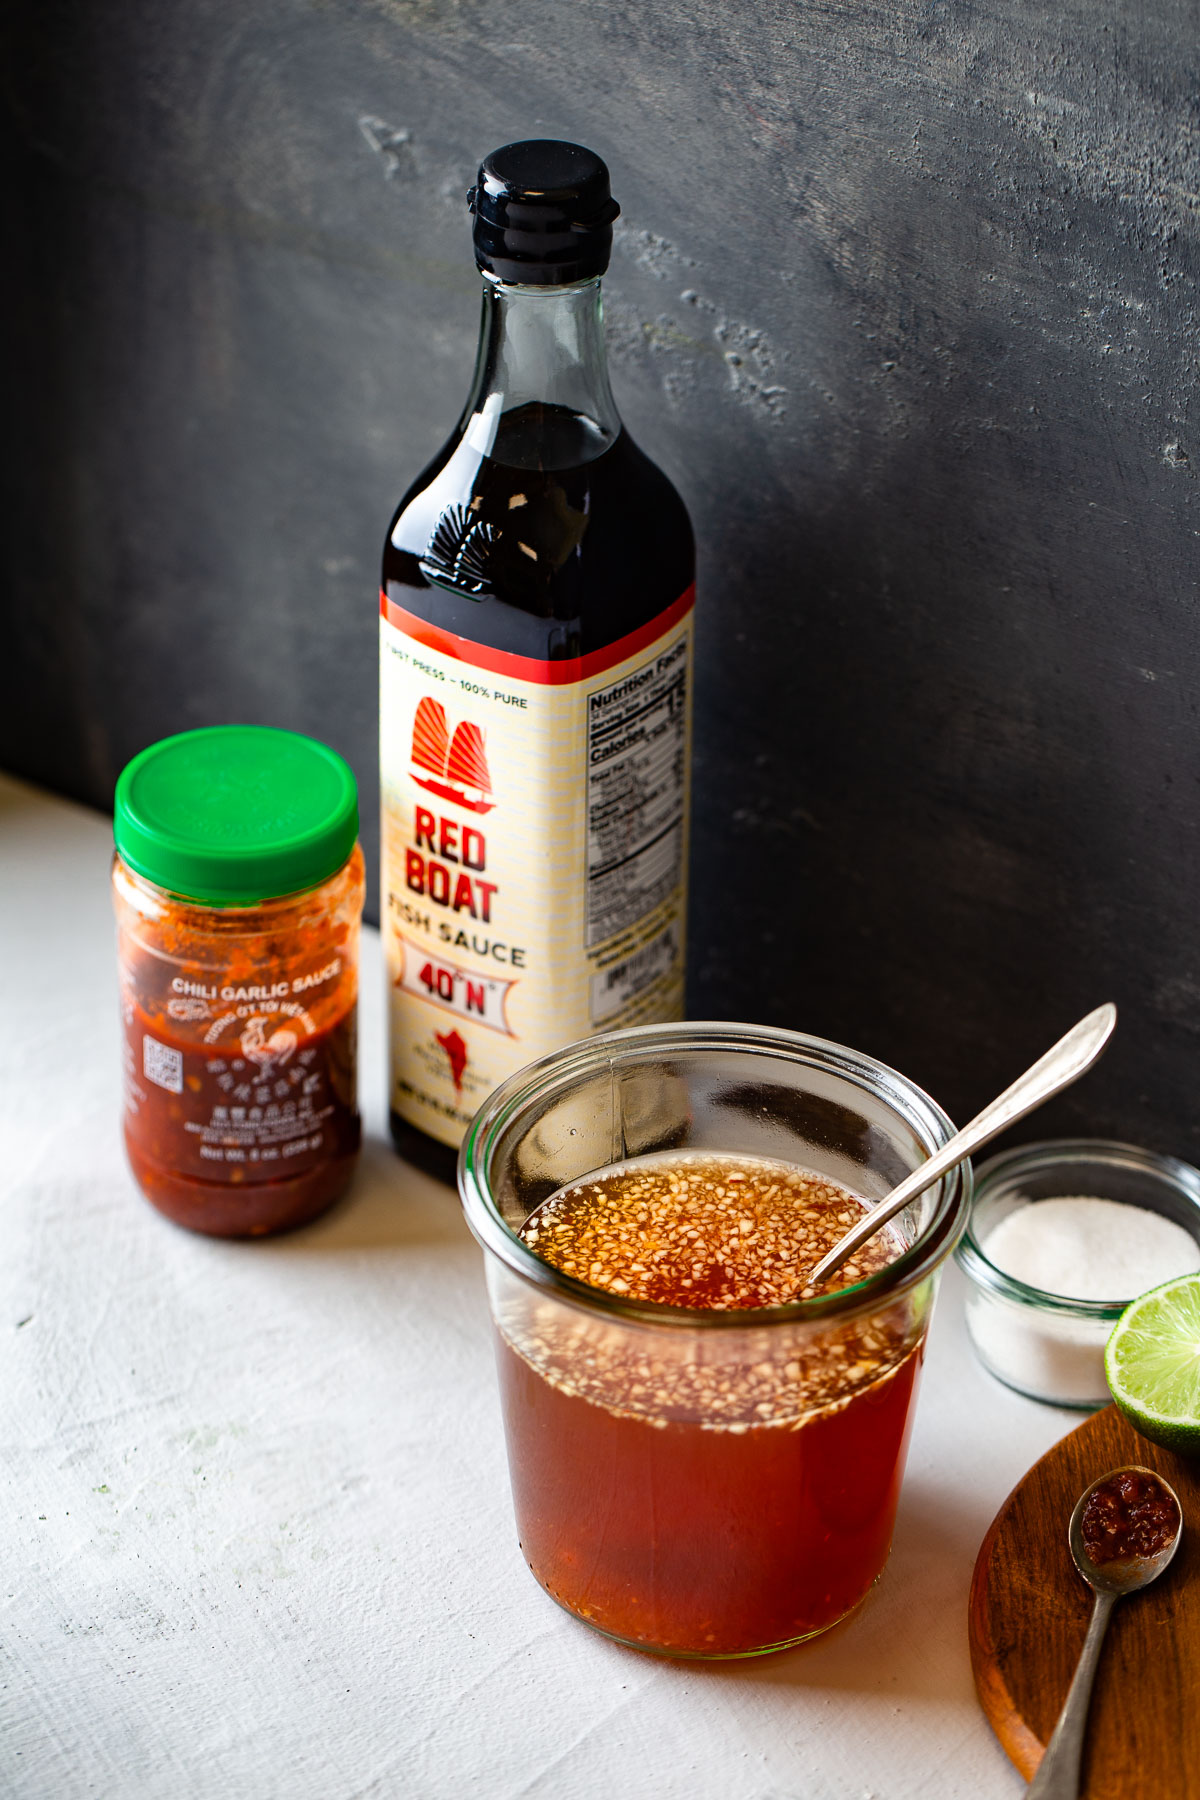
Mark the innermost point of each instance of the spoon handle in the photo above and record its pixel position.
(1058, 1773)
(1062, 1064)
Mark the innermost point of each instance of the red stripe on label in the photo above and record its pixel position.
(532, 668)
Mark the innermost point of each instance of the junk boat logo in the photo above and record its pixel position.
(455, 767)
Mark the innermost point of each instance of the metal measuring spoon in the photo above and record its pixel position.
(1058, 1774)
(1064, 1063)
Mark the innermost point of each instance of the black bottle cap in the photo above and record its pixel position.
(543, 213)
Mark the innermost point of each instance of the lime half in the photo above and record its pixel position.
(1152, 1364)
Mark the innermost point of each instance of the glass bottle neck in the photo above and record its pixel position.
(540, 396)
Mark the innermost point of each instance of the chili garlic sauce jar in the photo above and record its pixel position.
(238, 886)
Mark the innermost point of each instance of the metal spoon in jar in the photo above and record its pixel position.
(1070, 1058)
(1109, 1576)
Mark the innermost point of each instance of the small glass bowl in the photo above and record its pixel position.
(1046, 1345)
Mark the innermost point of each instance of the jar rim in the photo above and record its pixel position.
(1000, 1174)
(537, 1081)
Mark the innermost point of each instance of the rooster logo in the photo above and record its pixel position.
(267, 1053)
(454, 767)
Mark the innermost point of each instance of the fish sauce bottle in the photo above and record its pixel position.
(535, 684)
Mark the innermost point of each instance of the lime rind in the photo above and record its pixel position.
(1152, 1363)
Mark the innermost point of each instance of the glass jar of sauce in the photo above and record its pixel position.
(238, 885)
(697, 1480)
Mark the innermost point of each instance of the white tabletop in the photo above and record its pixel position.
(256, 1530)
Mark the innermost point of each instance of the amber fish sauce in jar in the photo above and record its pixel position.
(238, 886)
(701, 1506)
(705, 1453)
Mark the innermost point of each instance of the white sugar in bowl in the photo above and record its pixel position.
(1062, 1236)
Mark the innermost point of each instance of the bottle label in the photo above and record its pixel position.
(535, 826)
(232, 1081)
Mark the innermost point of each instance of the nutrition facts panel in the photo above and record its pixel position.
(637, 776)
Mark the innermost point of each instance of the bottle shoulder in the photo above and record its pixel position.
(421, 484)
(545, 561)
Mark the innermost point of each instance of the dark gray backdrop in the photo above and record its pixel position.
(903, 298)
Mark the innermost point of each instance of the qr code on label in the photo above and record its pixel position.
(162, 1065)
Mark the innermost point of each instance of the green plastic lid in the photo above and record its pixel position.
(236, 813)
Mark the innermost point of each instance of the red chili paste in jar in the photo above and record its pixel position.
(239, 1017)
(1130, 1515)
